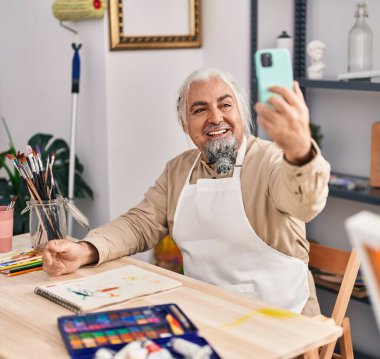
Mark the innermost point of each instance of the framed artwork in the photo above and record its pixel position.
(158, 24)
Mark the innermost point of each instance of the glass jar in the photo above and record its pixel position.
(47, 221)
(360, 42)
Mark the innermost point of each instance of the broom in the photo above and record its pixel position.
(75, 10)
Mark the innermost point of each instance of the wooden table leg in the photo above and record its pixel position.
(312, 354)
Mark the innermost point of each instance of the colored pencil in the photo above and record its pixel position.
(22, 263)
(24, 271)
(18, 269)
(21, 268)
(16, 256)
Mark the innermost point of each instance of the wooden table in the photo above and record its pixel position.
(236, 326)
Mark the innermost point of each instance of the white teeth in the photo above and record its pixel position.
(217, 132)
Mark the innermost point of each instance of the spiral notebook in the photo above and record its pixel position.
(106, 288)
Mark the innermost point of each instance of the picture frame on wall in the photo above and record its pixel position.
(159, 24)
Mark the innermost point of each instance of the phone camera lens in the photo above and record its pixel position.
(266, 59)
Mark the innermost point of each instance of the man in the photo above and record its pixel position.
(236, 206)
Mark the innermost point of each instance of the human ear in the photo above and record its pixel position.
(184, 125)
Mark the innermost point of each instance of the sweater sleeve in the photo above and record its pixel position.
(137, 230)
(300, 191)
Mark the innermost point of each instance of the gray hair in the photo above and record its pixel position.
(207, 74)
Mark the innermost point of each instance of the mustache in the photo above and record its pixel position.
(214, 127)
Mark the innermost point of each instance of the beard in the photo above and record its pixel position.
(222, 152)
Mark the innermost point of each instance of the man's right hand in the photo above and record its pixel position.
(62, 256)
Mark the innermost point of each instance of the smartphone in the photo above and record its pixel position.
(273, 68)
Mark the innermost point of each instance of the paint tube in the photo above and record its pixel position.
(155, 351)
(132, 350)
(104, 353)
(190, 350)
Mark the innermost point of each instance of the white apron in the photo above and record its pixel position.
(219, 245)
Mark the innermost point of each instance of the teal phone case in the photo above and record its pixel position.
(279, 73)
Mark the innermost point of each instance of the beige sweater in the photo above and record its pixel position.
(278, 199)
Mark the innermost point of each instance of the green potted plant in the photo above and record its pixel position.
(11, 185)
(316, 133)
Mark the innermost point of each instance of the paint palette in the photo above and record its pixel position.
(85, 334)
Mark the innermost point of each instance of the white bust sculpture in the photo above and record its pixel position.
(315, 49)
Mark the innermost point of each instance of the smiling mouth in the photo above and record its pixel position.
(217, 133)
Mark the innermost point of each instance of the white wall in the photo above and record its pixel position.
(127, 128)
(143, 132)
(274, 16)
(35, 88)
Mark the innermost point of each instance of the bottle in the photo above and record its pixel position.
(360, 42)
(285, 41)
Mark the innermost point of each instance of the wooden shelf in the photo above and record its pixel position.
(358, 294)
(367, 195)
(364, 300)
(340, 85)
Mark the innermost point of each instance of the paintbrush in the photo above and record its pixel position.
(31, 170)
(12, 204)
(14, 160)
(24, 163)
(39, 171)
(39, 158)
(47, 169)
(32, 165)
(52, 188)
(29, 184)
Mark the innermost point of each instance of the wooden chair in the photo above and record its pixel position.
(345, 263)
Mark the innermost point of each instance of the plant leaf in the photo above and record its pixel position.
(41, 140)
(6, 191)
(81, 188)
(8, 133)
(61, 165)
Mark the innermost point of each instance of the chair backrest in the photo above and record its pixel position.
(336, 261)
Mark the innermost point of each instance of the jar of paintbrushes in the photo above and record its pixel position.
(47, 221)
(47, 218)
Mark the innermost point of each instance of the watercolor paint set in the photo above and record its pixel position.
(84, 334)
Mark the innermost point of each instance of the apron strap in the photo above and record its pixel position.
(240, 158)
(192, 168)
